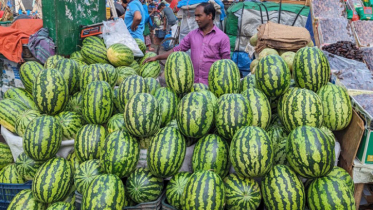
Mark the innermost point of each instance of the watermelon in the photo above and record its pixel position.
(50, 92)
(150, 69)
(71, 73)
(52, 181)
(241, 193)
(224, 77)
(141, 45)
(168, 101)
(116, 123)
(105, 192)
(330, 193)
(211, 97)
(310, 152)
(97, 102)
(70, 123)
(142, 186)
(117, 105)
(70, 197)
(153, 85)
(129, 87)
(24, 200)
(9, 175)
(94, 72)
(199, 87)
(93, 40)
(147, 55)
(75, 103)
(328, 132)
(120, 55)
(27, 167)
(142, 115)
(189, 141)
(21, 95)
(166, 152)
(88, 142)
(341, 174)
(279, 157)
(251, 152)
(134, 65)
(233, 113)
(124, 72)
(247, 82)
(277, 133)
(120, 154)
(61, 206)
(337, 107)
(311, 68)
(260, 107)
(179, 73)
(6, 157)
(282, 189)
(43, 137)
(9, 112)
(85, 174)
(175, 188)
(211, 153)
(301, 107)
(210, 193)
(77, 55)
(113, 74)
(94, 53)
(73, 160)
(81, 65)
(272, 76)
(24, 119)
(28, 72)
(52, 61)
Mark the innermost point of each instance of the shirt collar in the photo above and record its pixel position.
(212, 30)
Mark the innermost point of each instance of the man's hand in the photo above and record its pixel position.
(133, 27)
(150, 59)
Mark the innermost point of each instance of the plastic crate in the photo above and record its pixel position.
(9, 191)
(154, 205)
(167, 206)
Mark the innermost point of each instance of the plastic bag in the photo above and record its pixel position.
(115, 31)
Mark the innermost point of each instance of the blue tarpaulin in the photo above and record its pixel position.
(310, 28)
(191, 2)
(243, 62)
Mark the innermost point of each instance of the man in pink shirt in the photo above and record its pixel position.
(207, 44)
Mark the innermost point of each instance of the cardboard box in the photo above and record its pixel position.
(365, 151)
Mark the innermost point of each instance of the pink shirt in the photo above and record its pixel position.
(205, 50)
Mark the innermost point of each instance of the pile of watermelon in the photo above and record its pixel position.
(265, 127)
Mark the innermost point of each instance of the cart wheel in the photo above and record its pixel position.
(161, 48)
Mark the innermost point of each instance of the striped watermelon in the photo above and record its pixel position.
(24, 200)
(93, 40)
(197, 87)
(189, 141)
(70, 123)
(195, 115)
(94, 53)
(51, 62)
(6, 156)
(151, 69)
(211, 97)
(142, 115)
(124, 72)
(134, 65)
(97, 102)
(330, 193)
(117, 105)
(175, 188)
(77, 55)
(147, 55)
(73, 160)
(75, 103)
(153, 85)
(279, 157)
(61, 206)
(81, 65)
(24, 119)
(9, 175)
(105, 192)
(260, 107)
(70, 197)
(50, 92)
(310, 152)
(224, 77)
(241, 193)
(251, 152)
(120, 55)
(120, 154)
(142, 186)
(131, 86)
(210, 193)
(169, 102)
(247, 82)
(116, 123)
(341, 174)
(327, 131)
(272, 76)
(311, 68)
(166, 152)
(52, 181)
(28, 72)
(179, 73)
(43, 137)
(233, 113)
(113, 74)
(71, 73)
(211, 153)
(21, 95)
(282, 189)
(141, 45)
(88, 142)
(277, 133)
(301, 107)
(27, 167)
(94, 72)
(85, 174)
(9, 112)
(337, 107)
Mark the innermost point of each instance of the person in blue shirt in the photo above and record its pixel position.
(135, 19)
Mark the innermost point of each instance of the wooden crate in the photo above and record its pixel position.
(302, 2)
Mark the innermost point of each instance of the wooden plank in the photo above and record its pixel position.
(358, 193)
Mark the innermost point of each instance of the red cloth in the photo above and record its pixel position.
(10, 37)
(1, 14)
(174, 4)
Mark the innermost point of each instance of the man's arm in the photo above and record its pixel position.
(136, 20)
(225, 49)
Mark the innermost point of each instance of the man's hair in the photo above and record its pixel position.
(161, 5)
(123, 1)
(208, 8)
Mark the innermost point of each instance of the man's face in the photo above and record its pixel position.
(201, 18)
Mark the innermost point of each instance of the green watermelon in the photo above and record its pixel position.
(147, 55)
(310, 152)
(73, 160)
(199, 87)
(224, 77)
(341, 174)
(211, 97)
(260, 107)
(71, 73)
(53, 180)
(211, 153)
(77, 56)
(51, 62)
(50, 92)
(43, 137)
(279, 157)
(75, 103)
(70, 198)
(88, 142)
(247, 82)
(61, 206)
(153, 85)
(6, 156)
(150, 69)
(24, 119)
(120, 55)
(113, 74)
(10, 109)
(70, 123)
(94, 72)
(93, 40)
(94, 53)
(166, 152)
(85, 174)
(311, 68)
(21, 95)
(81, 65)
(168, 101)
(9, 175)
(175, 188)
(28, 72)
(241, 193)
(328, 132)
(116, 123)
(131, 86)
(276, 133)
(134, 65)
(141, 45)
(118, 109)
(27, 167)
(24, 200)
(124, 72)
(179, 73)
